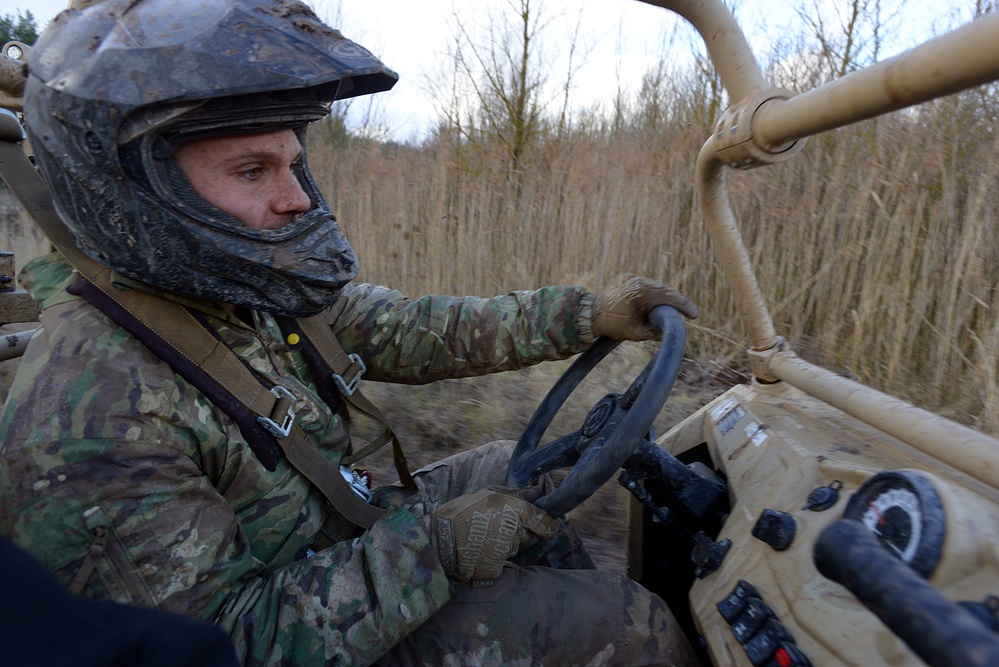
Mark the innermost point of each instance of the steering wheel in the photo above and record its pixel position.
(613, 428)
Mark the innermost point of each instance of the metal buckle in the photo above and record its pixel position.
(285, 403)
(348, 387)
(356, 483)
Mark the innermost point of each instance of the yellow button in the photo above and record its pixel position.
(293, 339)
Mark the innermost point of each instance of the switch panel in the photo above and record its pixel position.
(755, 626)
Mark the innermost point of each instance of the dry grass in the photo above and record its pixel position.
(876, 248)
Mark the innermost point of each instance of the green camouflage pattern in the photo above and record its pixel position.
(103, 444)
(562, 613)
(536, 616)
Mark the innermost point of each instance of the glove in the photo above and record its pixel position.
(475, 534)
(622, 313)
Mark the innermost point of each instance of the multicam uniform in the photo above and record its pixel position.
(101, 438)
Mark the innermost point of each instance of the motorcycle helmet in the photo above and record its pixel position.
(115, 88)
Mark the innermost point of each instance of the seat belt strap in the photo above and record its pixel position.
(302, 453)
(192, 345)
(349, 368)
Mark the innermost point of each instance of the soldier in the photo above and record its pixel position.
(171, 136)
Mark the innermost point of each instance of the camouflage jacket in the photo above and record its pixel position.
(103, 444)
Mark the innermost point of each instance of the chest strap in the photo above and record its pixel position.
(193, 351)
(328, 359)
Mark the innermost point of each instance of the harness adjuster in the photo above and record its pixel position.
(282, 414)
(348, 385)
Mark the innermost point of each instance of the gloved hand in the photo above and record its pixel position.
(622, 313)
(476, 533)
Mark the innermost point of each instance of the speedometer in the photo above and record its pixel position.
(903, 511)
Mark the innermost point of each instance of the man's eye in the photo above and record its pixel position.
(251, 174)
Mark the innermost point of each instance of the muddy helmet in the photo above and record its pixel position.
(115, 88)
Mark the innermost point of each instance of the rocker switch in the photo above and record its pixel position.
(750, 620)
(732, 606)
(789, 655)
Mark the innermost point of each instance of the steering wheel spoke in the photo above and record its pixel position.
(633, 390)
(560, 453)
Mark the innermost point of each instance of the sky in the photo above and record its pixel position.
(620, 40)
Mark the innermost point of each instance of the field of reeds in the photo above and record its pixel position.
(877, 247)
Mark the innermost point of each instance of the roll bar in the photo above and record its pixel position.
(962, 59)
(766, 125)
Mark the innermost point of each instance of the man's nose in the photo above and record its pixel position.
(290, 197)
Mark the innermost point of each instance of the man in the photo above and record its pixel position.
(171, 137)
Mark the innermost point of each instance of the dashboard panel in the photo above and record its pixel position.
(796, 465)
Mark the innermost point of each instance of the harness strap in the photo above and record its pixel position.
(95, 552)
(196, 353)
(243, 409)
(340, 365)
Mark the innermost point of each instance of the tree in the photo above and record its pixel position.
(853, 34)
(498, 88)
(21, 28)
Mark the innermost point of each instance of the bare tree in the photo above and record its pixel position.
(498, 89)
(852, 34)
(677, 90)
(354, 117)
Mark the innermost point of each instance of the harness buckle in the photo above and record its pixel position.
(282, 415)
(357, 482)
(348, 386)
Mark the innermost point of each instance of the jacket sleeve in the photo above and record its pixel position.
(436, 337)
(108, 453)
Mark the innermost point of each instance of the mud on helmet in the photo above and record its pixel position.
(114, 89)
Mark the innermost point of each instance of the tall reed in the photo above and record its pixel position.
(877, 247)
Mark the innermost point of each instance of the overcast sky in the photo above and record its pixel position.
(621, 39)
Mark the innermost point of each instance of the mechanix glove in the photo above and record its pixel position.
(476, 533)
(622, 313)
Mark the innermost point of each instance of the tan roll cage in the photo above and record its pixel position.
(766, 125)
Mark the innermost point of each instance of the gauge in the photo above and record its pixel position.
(902, 509)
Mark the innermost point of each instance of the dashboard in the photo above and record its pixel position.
(794, 466)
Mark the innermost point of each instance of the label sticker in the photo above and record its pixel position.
(756, 433)
(731, 418)
(722, 408)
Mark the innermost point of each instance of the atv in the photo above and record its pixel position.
(802, 518)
